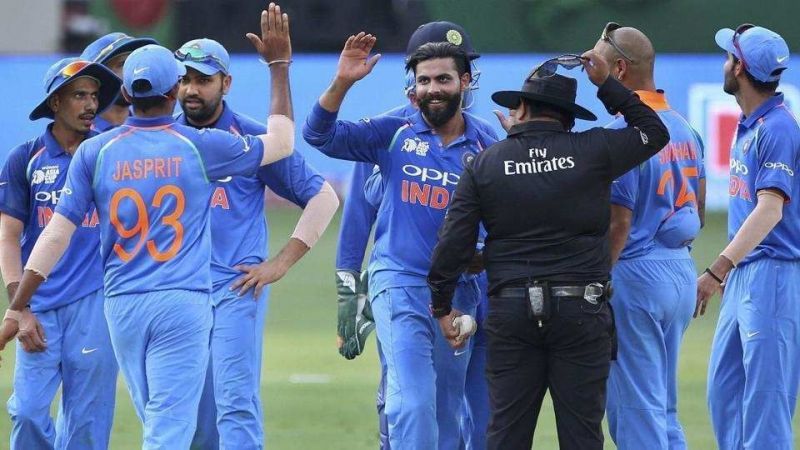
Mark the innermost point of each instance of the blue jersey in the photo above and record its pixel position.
(101, 125)
(359, 213)
(237, 204)
(152, 182)
(419, 175)
(765, 155)
(31, 184)
(663, 184)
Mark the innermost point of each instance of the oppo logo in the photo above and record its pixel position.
(779, 166)
(739, 167)
(51, 196)
(431, 175)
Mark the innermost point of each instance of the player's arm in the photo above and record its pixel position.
(315, 218)
(11, 230)
(275, 48)
(340, 139)
(618, 230)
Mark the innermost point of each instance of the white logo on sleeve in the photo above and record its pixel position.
(3, 183)
(86, 351)
(752, 334)
(644, 137)
(779, 166)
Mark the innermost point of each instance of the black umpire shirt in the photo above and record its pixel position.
(543, 196)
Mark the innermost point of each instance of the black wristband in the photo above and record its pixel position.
(441, 311)
(713, 275)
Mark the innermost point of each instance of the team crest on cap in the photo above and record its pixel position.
(454, 37)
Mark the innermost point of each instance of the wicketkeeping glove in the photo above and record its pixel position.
(355, 321)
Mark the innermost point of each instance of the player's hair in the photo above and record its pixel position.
(145, 104)
(434, 50)
(762, 87)
(540, 109)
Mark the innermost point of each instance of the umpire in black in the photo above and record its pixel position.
(543, 196)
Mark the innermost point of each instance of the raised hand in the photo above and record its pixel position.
(274, 45)
(355, 62)
(596, 67)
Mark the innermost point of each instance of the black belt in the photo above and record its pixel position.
(591, 292)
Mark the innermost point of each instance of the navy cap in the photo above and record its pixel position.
(111, 45)
(207, 56)
(441, 31)
(69, 69)
(154, 64)
(764, 52)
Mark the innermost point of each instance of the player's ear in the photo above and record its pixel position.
(173, 93)
(226, 84)
(466, 78)
(621, 68)
(125, 94)
(54, 101)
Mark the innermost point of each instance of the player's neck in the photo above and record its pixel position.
(68, 139)
(116, 114)
(452, 129)
(640, 84)
(749, 99)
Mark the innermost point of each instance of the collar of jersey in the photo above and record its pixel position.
(656, 100)
(420, 126)
(149, 122)
(51, 144)
(535, 125)
(762, 110)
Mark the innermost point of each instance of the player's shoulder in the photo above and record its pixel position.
(487, 135)
(247, 125)
(400, 111)
(26, 150)
(780, 120)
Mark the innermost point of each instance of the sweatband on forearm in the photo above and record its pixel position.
(51, 245)
(279, 140)
(316, 215)
(767, 214)
(10, 249)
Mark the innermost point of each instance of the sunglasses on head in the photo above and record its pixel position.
(197, 55)
(68, 71)
(108, 48)
(736, 34)
(606, 37)
(549, 67)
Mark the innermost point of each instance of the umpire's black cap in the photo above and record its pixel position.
(441, 31)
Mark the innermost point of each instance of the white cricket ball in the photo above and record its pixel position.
(465, 325)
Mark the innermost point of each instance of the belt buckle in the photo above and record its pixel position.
(592, 292)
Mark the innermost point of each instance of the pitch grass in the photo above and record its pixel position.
(314, 399)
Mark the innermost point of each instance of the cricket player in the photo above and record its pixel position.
(420, 159)
(363, 201)
(67, 341)
(111, 51)
(230, 409)
(754, 367)
(151, 181)
(656, 212)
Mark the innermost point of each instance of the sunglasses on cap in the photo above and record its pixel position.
(549, 67)
(68, 71)
(736, 34)
(606, 37)
(197, 55)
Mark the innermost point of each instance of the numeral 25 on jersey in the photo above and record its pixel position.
(142, 227)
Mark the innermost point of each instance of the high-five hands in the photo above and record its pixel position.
(355, 61)
(274, 45)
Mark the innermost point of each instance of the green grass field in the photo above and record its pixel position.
(314, 399)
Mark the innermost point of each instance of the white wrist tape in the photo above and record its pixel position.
(316, 215)
(279, 140)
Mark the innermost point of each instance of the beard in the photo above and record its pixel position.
(438, 116)
(730, 85)
(202, 113)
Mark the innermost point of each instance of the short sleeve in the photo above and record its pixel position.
(226, 154)
(78, 192)
(625, 189)
(14, 187)
(292, 178)
(777, 159)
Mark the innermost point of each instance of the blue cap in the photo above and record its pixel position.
(764, 52)
(441, 31)
(111, 45)
(207, 56)
(154, 64)
(679, 229)
(68, 69)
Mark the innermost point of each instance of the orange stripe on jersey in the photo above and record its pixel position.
(656, 100)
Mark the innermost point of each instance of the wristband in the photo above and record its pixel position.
(13, 315)
(279, 61)
(440, 312)
(713, 275)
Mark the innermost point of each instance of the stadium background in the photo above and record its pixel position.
(314, 399)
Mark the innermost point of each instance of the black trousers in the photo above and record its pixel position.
(570, 355)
